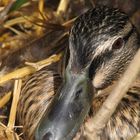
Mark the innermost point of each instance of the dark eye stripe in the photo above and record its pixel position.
(126, 37)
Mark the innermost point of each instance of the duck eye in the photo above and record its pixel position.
(118, 43)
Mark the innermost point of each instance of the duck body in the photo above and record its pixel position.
(102, 44)
(123, 125)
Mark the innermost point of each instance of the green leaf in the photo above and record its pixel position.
(17, 5)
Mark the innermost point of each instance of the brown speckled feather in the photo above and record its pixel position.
(37, 92)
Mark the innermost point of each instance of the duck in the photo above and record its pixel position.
(102, 43)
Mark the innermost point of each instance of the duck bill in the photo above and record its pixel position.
(68, 109)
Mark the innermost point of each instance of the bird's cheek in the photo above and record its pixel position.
(98, 80)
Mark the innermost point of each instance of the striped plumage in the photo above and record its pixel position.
(102, 43)
(37, 92)
(125, 122)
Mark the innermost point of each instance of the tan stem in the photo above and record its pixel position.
(19, 73)
(16, 94)
(63, 5)
(5, 99)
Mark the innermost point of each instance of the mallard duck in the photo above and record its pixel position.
(102, 43)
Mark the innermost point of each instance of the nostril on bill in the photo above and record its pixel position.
(48, 136)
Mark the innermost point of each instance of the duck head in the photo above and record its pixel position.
(102, 43)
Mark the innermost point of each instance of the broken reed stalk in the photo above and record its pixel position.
(62, 7)
(10, 135)
(105, 112)
(5, 99)
(16, 94)
(16, 20)
(11, 123)
(41, 5)
(4, 13)
(41, 9)
(69, 23)
(19, 73)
